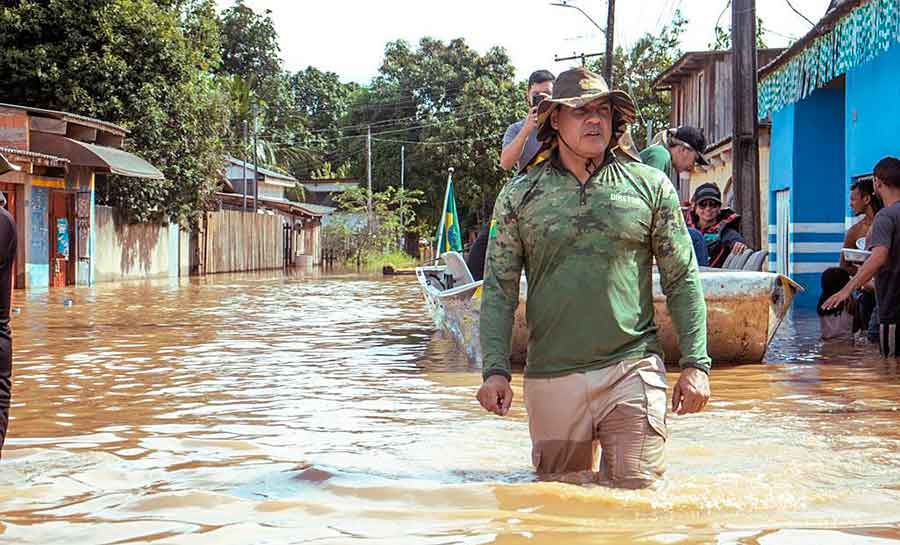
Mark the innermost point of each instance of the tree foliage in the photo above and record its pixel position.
(448, 106)
(393, 215)
(135, 63)
(635, 70)
(723, 36)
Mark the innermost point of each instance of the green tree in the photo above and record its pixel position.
(135, 63)
(449, 106)
(393, 215)
(250, 47)
(260, 91)
(635, 70)
(323, 102)
(723, 36)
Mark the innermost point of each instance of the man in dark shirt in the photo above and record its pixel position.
(884, 263)
(8, 240)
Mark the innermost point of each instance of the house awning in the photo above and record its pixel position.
(100, 158)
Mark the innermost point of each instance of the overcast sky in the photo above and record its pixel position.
(348, 36)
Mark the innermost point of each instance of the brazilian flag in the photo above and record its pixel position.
(448, 235)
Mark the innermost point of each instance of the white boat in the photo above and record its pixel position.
(744, 310)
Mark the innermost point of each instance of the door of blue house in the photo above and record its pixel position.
(783, 232)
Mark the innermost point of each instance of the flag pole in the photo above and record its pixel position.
(440, 239)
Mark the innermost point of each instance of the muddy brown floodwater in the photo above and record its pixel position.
(323, 409)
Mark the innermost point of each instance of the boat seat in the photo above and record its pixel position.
(740, 259)
(756, 261)
(728, 261)
(456, 267)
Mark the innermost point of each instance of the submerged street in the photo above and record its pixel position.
(323, 409)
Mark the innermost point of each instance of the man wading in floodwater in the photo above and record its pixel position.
(586, 225)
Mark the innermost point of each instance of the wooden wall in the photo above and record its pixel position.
(238, 241)
(704, 97)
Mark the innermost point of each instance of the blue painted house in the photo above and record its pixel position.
(834, 101)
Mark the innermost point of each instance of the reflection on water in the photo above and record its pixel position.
(323, 409)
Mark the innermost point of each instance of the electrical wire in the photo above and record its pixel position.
(788, 2)
(440, 143)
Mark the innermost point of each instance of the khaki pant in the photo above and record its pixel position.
(621, 407)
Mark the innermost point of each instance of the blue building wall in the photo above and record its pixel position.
(807, 158)
(781, 170)
(873, 115)
(781, 154)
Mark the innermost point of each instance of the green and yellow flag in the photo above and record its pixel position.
(448, 235)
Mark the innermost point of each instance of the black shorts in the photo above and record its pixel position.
(889, 340)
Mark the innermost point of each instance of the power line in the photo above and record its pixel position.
(728, 3)
(788, 2)
(785, 36)
(391, 121)
(437, 123)
(441, 143)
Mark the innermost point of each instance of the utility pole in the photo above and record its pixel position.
(610, 32)
(369, 175)
(245, 166)
(582, 56)
(610, 23)
(402, 223)
(745, 142)
(255, 164)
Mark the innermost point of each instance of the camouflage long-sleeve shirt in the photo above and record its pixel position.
(588, 251)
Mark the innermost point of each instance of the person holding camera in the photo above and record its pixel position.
(520, 143)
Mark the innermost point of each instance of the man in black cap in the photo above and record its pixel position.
(8, 242)
(675, 151)
(720, 227)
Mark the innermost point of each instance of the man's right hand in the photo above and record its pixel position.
(495, 395)
(530, 122)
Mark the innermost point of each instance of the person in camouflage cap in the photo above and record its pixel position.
(585, 223)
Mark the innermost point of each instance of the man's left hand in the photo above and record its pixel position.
(691, 392)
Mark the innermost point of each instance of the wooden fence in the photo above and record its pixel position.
(238, 241)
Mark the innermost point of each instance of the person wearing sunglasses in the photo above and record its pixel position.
(720, 226)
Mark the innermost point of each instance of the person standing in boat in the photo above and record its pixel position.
(586, 226)
(675, 151)
(720, 227)
(520, 144)
(8, 245)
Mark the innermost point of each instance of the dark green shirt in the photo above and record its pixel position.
(587, 251)
(658, 156)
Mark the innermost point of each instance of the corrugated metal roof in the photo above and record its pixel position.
(316, 209)
(35, 155)
(66, 116)
(692, 60)
(323, 187)
(262, 170)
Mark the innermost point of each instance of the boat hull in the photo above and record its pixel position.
(744, 310)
